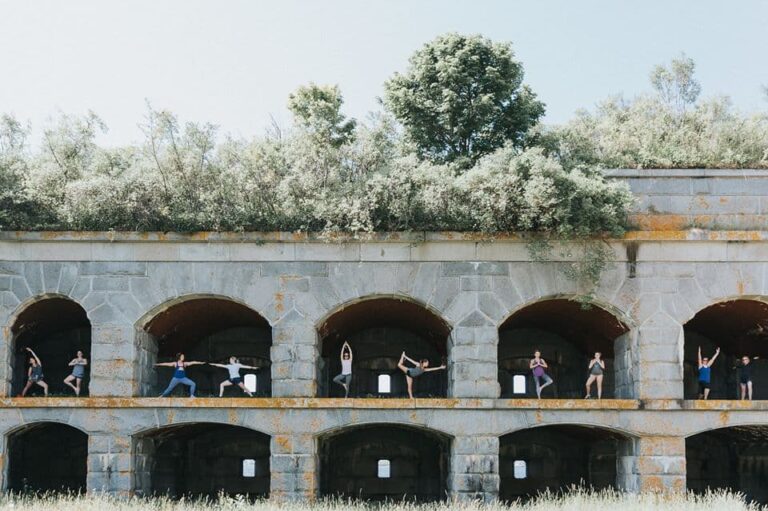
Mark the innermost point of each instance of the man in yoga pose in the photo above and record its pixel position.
(596, 368)
(34, 374)
(538, 366)
(78, 372)
(705, 373)
(233, 367)
(179, 375)
(345, 378)
(412, 373)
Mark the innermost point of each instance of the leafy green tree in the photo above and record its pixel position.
(675, 83)
(317, 109)
(463, 97)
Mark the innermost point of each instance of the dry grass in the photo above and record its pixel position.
(577, 500)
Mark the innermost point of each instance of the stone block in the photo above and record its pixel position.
(113, 268)
(304, 269)
(460, 269)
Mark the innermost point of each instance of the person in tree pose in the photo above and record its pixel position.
(78, 372)
(596, 368)
(345, 378)
(538, 366)
(705, 373)
(179, 375)
(234, 367)
(745, 377)
(411, 373)
(34, 374)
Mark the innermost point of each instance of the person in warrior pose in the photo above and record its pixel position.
(78, 372)
(345, 378)
(705, 373)
(538, 366)
(34, 374)
(596, 368)
(179, 375)
(411, 373)
(234, 367)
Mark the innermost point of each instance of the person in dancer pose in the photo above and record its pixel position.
(538, 366)
(234, 367)
(345, 378)
(411, 373)
(596, 369)
(34, 374)
(179, 375)
(78, 372)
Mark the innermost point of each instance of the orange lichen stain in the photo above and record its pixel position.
(538, 417)
(232, 416)
(724, 418)
(284, 441)
(315, 424)
(279, 305)
(723, 200)
(740, 287)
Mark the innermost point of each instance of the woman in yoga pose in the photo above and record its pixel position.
(34, 374)
(596, 368)
(233, 367)
(345, 378)
(538, 366)
(179, 375)
(78, 372)
(411, 373)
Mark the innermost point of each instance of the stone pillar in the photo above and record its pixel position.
(294, 357)
(109, 464)
(473, 366)
(660, 360)
(651, 463)
(112, 361)
(626, 365)
(293, 467)
(146, 357)
(474, 470)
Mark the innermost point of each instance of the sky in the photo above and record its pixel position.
(233, 63)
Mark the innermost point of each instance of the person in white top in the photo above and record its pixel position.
(345, 378)
(233, 367)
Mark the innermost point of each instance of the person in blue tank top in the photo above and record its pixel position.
(179, 375)
(705, 373)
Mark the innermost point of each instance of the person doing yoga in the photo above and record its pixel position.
(34, 374)
(411, 373)
(596, 368)
(705, 373)
(345, 378)
(179, 375)
(78, 372)
(233, 367)
(538, 366)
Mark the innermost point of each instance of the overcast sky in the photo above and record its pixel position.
(234, 62)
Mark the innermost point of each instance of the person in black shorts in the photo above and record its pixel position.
(705, 373)
(34, 374)
(412, 373)
(745, 377)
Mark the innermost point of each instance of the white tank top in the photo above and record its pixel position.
(346, 367)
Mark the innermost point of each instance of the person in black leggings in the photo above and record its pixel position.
(411, 373)
(745, 377)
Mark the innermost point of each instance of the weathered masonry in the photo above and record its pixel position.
(694, 273)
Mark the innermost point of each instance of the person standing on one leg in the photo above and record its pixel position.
(345, 378)
(745, 377)
(538, 366)
(34, 374)
(234, 367)
(705, 373)
(78, 372)
(596, 368)
(411, 373)
(179, 375)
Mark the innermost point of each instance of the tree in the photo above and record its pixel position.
(317, 109)
(675, 83)
(463, 97)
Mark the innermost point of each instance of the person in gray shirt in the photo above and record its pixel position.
(78, 372)
(412, 373)
(233, 367)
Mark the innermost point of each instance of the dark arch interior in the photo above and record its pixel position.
(379, 330)
(733, 458)
(568, 335)
(206, 330)
(738, 327)
(202, 460)
(55, 328)
(557, 457)
(47, 457)
(418, 463)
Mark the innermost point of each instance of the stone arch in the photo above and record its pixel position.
(739, 327)
(733, 458)
(379, 328)
(207, 327)
(46, 456)
(379, 461)
(567, 333)
(55, 326)
(201, 459)
(555, 457)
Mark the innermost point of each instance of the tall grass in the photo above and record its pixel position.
(577, 500)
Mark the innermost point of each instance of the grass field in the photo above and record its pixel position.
(574, 501)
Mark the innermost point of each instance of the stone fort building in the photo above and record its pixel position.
(693, 272)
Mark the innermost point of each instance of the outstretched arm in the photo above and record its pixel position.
(699, 356)
(194, 363)
(430, 369)
(166, 364)
(714, 357)
(217, 365)
(249, 367)
(34, 355)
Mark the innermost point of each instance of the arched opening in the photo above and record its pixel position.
(47, 457)
(55, 328)
(734, 458)
(556, 457)
(202, 460)
(384, 462)
(379, 330)
(568, 335)
(739, 328)
(206, 330)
